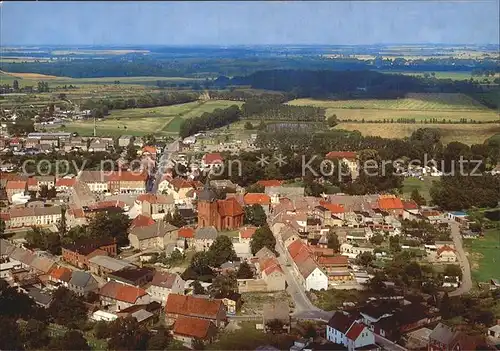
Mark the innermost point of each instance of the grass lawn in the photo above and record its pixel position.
(484, 255)
(465, 133)
(423, 186)
(162, 120)
(332, 299)
(249, 338)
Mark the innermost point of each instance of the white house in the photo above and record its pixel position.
(343, 329)
(352, 251)
(306, 268)
(163, 284)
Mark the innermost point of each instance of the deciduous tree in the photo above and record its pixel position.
(263, 237)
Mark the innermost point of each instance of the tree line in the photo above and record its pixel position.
(210, 120)
(269, 110)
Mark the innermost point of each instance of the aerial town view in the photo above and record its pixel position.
(250, 175)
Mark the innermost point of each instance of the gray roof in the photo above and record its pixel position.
(110, 263)
(42, 264)
(39, 297)
(159, 229)
(205, 233)
(141, 315)
(6, 248)
(207, 194)
(264, 253)
(80, 279)
(287, 232)
(442, 333)
(284, 191)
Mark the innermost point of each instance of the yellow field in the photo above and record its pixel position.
(451, 107)
(30, 75)
(464, 133)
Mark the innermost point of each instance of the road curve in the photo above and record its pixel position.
(466, 284)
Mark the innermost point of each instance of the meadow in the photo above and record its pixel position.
(465, 133)
(423, 186)
(484, 257)
(163, 120)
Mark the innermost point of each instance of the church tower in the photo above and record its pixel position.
(207, 208)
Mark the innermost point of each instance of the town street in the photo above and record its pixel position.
(466, 284)
(163, 163)
(304, 309)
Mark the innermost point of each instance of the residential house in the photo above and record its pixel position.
(82, 283)
(336, 267)
(187, 235)
(64, 184)
(222, 214)
(144, 314)
(204, 237)
(121, 296)
(444, 338)
(164, 284)
(15, 187)
(258, 199)
(270, 182)
(125, 140)
(231, 301)
(155, 236)
(198, 307)
(34, 216)
(391, 204)
(96, 181)
(344, 330)
(188, 329)
(306, 268)
(60, 275)
(48, 181)
(126, 182)
(133, 276)
(177, 187)
(245, 234)
(446, 254)
(211, 160)
(326, 217)
(41, 299)
(79, 253)
(156, 205)
(272, 273)
(103, 265)
(352, 251)
(348, 158)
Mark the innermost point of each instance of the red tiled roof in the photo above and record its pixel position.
(229, 207)
(76, 212)
(444, 248)
(192, 306)
(68, 182)
(341, 322)
(186, 232)
(15, 184)
(32, 181)
(61, 273)
(298, 251)
(192, 327)
(164, 279)
(5, 216)
(247, 232)
(212, 158)
(332, 260)
(126, 176)
(270, 265)
(107, 203)
(142, 221)
(409, 205)
(390, 203)
(333, 208)
(355, 330)
(257, 199)
(180, 183)
(150, 149)
(121, 292)
(342, 154)
(270, 182)
(153, 198)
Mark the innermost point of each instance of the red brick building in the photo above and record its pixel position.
(222, 214)
(79, 254)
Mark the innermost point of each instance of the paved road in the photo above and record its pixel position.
(466, 285)
(163, 163)
(304, 309)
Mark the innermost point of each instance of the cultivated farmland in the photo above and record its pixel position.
(465, 133)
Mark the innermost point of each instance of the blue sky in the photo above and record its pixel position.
(249, 23)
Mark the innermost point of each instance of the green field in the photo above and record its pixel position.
(444, 75)
(484, 256)
(465, 133)
(423, 186)
(163, 120)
